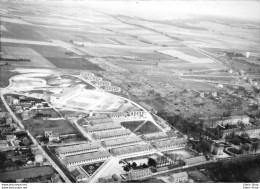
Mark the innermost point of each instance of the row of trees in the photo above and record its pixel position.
(191, 126)
(129, 166)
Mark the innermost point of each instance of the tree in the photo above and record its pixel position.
(126, 169)
(151, 162)
(244, 135)
(134, 165)
(255, 146)
(2, 159)
(144, 166)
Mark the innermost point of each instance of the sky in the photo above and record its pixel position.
(161, 10)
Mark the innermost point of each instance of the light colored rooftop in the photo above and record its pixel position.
(78, 147)
(85, 157)
(154, 136)
(109, 134)
(103, 126)
(169, 142)
(122, 141)
(131, 149)
(180, 174)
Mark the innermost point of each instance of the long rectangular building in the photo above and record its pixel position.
(111, 134)
(103, 127)
(156, 136)
(171, 143)
(121, 141)
(77, 149)
(131, 149)
(232, 120)
(85, 158)
(195, 160)
(99, 119)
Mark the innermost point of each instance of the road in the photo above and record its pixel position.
(54, 165)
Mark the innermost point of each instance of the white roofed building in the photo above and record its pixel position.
(170, 143)
(111, 134)
(121, 141)
(132, 149)
(85, 158)
(103, 127)
(77, 149)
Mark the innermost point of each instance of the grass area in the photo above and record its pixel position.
(38, 126)
(234, 150)
(44, 50)
(21, 31)
(131, 125)
(74, 63)
(5, 75)
(2, 106)
(147, 128)
(92, 168)
(26, 173)
(46, 112)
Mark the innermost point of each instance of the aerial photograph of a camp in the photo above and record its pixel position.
(117, 91)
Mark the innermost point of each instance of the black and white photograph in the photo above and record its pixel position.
(130, 91)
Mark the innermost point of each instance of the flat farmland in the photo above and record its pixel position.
(130, 41)
(213, 78)
(191, 52)
(3, 28)
(74, 63)
(133, 62)
(36, 60)
(188, 84)
(101, 40)
(21, 31)
(192, 67)
(38, 126)
(186, 57)
(152, 56)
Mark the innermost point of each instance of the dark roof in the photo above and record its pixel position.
(26, 173)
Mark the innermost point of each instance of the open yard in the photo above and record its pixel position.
(39, 113)
(21, 31)
(132, 125)
(35, 59)
(147, 128)
(38, 126)
(5, 74)
(74, 63)
(95, 100)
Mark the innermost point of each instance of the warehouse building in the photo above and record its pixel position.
(152, 137)
(98, 120)
(77, 149)
(195, 160)
(131, 149)
(179, 177)
(232, 120)
(103, 127)
(111, 134)
(85, 158)
(170, 143)
(121, 141)
(112, 89)
(139, 174)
